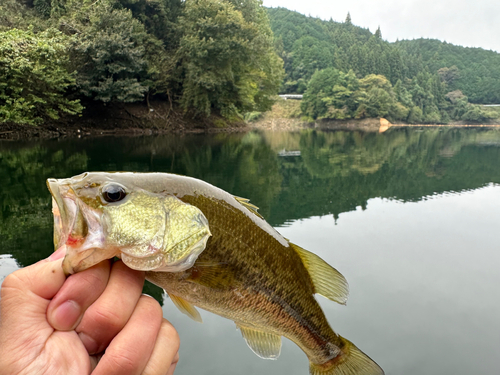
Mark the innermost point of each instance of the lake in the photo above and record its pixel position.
(410, 217)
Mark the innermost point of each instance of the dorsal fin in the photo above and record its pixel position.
(246, 202)
(327, 280)
(266, 345)
(186, 308)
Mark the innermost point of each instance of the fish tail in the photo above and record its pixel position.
(351, 361)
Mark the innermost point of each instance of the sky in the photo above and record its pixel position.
(462, 22)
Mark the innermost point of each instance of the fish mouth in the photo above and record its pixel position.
(64, 211)
(78, 227)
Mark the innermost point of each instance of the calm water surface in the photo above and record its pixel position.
(409, 217)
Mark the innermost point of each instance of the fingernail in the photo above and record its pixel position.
(89, 343)
(66, 316)
(58, 254)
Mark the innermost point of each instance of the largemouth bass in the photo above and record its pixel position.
(207, 248)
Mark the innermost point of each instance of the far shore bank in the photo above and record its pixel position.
(159, 118)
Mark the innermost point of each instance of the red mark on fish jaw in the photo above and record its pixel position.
(71, 241)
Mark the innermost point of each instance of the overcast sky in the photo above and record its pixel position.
(467, 23)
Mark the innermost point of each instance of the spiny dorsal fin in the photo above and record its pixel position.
(265, 345)
(327, 280)
(246, 202)
(186, 308)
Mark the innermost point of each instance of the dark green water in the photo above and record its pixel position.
(409, 217)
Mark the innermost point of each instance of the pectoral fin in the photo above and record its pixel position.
(265, 345)
(186, 308)
(327, 280)
(213, 275)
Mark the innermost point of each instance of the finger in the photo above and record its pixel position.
(130, 350)
(43, 278)
(165, 353)
(76, 295)
(25, 295)
(171, 370)
(109, 314)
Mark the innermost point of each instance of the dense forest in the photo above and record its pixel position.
(206, 56)
(228, 58)
(346, 71)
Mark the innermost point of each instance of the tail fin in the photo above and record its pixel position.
(351, 361)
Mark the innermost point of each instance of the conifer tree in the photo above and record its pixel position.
(348, 19)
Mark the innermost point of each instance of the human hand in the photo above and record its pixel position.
(94, 322)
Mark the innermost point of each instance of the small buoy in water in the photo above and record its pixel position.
(384, 125)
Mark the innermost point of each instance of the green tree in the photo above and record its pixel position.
(348, 20)
(14, 14)
(415, 116)
(379, 96)
(449, 75)
(475, 114)
(34, 80)
(325, 95)
(109, 54)
(227, 58)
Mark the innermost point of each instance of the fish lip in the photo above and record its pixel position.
(67, 211)
(69, 268)
(65, 216)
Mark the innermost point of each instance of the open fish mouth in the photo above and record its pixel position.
(64, 210)
(78, 227)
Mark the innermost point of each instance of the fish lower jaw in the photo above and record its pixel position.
(80, 258)
(143, 263)
(158, 263)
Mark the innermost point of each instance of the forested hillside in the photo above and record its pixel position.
(204, 56)
(307, 44)
(474, 71)
(345, 71)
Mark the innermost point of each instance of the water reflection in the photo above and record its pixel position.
(334, 173)
(420, 268)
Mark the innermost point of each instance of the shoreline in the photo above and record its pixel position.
(28, 132)
(159, 118)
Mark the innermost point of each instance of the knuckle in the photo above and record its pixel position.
(12, 282)
(123, 362)
(88, 280)
(105, 316)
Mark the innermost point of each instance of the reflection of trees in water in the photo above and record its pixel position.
(339, 171)
(243, 166)
(328, 155)
(25, 215)
(336, 172)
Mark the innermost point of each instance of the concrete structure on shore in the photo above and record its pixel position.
(289, 96)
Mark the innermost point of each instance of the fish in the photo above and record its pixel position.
(209, 249)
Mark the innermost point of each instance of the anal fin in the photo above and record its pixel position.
(186, 308)
(265, 345)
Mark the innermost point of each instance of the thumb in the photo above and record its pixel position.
(28, 291)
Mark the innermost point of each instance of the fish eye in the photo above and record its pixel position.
(113, 193)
